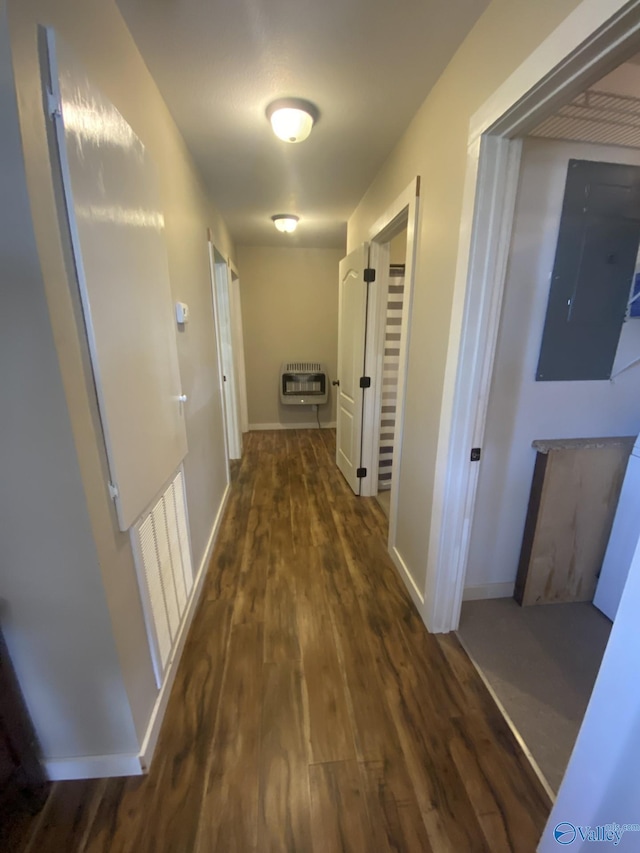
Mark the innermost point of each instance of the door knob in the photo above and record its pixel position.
(182, 398)
(336, 382)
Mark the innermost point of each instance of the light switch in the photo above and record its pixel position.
(182, 312)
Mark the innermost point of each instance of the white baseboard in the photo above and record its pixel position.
(488, 590)
(414, 592)
(157, 715)
(310, 425)
(100, 766)
(93, 767)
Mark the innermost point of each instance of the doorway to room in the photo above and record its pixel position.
(359, 428)
(554, 453)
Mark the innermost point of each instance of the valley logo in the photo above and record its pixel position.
(567, 833)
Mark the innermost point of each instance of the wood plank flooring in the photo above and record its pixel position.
(311, 710)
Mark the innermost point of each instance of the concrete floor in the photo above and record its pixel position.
(542, 662)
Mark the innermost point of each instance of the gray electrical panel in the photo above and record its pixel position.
(593, 271)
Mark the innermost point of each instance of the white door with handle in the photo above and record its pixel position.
(352, 327)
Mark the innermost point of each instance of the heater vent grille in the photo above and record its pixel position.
(303, 383)
(303, 367)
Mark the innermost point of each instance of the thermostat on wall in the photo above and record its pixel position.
(182, 312)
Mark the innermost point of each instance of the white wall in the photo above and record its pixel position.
(624, 80)
(521, 409)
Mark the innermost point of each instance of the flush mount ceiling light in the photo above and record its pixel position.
(285, 222)
(292, 118)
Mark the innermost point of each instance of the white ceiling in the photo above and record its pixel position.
(366, 64)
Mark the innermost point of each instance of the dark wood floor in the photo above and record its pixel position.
(311, 710)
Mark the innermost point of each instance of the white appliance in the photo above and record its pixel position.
(625, 536)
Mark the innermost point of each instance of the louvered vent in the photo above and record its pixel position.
(303, 367)
(165, 576)
(303, 383)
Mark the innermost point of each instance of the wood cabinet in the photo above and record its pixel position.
(574, 495)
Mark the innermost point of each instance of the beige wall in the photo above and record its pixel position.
(434, 147)
(98, 36)
(398, 248)
(53, 611)
(289, 311)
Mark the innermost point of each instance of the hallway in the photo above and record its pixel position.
(311, 710)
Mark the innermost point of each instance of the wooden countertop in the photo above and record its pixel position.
(546, 445)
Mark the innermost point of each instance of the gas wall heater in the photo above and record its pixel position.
(303, 383)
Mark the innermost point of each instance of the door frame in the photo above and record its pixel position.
(402, 213)
(237, 336)
(591, 41)
(222, 280)
(216, 323)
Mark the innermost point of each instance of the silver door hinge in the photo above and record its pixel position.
(53, 104)
(113, 491)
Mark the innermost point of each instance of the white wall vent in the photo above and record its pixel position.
(165, 576)
(303, 383)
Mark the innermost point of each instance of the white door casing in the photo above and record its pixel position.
(237, 334)
(403, 213)
(566, 62)
(220, 280)
(216, 322)
(352, 326)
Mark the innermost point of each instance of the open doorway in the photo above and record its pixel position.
(555, 453)
(393, 240)
(360, 425)
(364, 294)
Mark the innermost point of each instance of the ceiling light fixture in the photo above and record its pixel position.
(285, 222)
(292, 118)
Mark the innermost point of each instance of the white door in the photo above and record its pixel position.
(116, 224)
(352, 331)
(220, 276)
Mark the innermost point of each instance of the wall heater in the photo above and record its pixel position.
(303, 383)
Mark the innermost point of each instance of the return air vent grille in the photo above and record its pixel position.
(165, 576)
